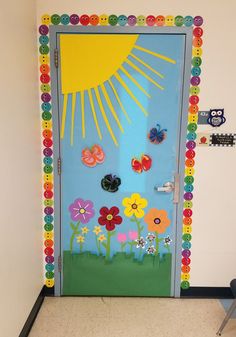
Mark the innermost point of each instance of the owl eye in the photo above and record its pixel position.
(213, 113)
(219, 113)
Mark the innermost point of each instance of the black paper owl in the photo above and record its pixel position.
(216, 117)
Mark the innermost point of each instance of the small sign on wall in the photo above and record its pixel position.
(222, 139)
(203, 139)
(203, 117)
(216, 139)
(214, 117)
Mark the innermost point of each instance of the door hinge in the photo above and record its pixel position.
(56, 56)
(59, 263)
(176, 189)
(59, 166)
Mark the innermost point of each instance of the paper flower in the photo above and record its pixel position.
(121, 237)
(141, 243)
(151, 250)
(80, 239)
(133, 235)
(84, 230)
(134, 205)
(157, 220)
(81, 210)
(102, 238)
(167, 240)
(110, 217)
(151, 237)
(97, 230)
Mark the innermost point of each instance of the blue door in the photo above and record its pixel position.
(120, 108)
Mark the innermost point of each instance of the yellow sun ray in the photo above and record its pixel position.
(134, 81)
(104, 115)
(63, 121)
(94, 114)
(117, 76)
(82, 113)
(72, 118)
(146, 65)
(119, 101)
(144, 74)
(160, 56)
(109, 103)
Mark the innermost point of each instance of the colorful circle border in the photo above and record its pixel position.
(47, 136)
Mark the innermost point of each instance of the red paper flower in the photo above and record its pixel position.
(110, 217)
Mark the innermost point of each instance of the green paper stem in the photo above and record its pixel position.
(99, 248)
(140, 228)
(168, 248)
(98, 244)
(131, 246)
(157, 245)
(140, 254)
(75, 232)
(108, 245)
(122, 245)
(80, 247)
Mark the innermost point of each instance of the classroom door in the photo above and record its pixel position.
(120, 103)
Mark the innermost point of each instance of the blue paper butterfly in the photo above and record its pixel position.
(156, 135)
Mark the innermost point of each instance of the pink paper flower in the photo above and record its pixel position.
(121, 237)
(81, 210)
(133, 235)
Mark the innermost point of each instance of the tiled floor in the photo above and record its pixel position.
(130, 317)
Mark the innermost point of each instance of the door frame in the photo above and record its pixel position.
(54, 32)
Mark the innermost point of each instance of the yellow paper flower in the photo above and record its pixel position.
(80, 239)
(97, 230)
(85, 230)
(102, 238)
(134, 205)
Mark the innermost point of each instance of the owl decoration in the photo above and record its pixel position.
(216, 117)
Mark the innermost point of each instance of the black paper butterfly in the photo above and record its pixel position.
(110, 183)
(156, 135)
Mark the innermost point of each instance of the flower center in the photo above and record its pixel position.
(134, 206)
(82, 210)
(109, 217)
(157, 221)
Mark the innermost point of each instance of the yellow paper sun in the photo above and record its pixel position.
(88, 61)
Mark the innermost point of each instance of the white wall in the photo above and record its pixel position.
(214, 228)
(21, 272)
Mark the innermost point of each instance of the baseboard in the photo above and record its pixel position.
(207, 292)
(32, 316)
(34, 312)
(192, 292)
(48, 291)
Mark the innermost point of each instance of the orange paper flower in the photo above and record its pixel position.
(157, 220)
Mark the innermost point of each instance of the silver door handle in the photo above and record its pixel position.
(169, 187)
